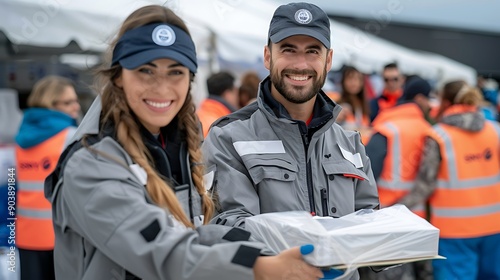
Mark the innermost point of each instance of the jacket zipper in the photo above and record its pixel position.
(309, 177)
(186, 177)
(324, 202)
(183, 171)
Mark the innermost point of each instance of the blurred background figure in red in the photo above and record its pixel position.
(393, 89)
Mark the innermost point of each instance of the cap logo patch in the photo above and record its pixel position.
(163, 35)
(303, 16)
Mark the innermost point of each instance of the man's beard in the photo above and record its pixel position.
(297, 94)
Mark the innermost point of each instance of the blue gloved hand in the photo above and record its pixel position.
(332, 273)
(306, 249)
(328, 274)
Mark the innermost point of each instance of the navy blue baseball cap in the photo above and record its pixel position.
(415, 86)
(300, 19)
(146, 43)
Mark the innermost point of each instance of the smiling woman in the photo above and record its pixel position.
(155, 91)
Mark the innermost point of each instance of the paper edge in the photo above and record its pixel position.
(390, 262)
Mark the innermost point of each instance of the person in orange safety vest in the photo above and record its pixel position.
(46, 129)
(223, 99)
(460, 174)
(395, 151)
(396, 147)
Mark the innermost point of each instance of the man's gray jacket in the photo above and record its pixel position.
(260, 161)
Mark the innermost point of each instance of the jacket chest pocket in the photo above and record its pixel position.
(190, 201)
(342, 178)
(265, 167)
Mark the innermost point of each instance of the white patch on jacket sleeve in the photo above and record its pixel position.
(353, 158)
(259, 147)
(208, 180)
(140, 173)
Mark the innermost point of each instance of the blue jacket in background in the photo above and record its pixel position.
(40, 124)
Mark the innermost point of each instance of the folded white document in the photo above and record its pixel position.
(367, 237)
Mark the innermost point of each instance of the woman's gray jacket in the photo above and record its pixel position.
(107, 227)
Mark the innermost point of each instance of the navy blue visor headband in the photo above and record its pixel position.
(144, 44)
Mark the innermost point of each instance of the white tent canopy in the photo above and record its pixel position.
(230, 30)
(241, 32)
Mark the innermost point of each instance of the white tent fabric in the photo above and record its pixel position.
(238, 28)
(241, 32)
(55, 23)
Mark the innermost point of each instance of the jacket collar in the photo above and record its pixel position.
(465, 117)
(169, 161)
(90, 122)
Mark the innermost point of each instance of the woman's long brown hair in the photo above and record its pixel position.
(116, 110)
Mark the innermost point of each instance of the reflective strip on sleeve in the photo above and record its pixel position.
(30, 186)
(259, 147)
(450, 154)
(444, 212)
(34, 214)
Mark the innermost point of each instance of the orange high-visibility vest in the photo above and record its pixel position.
(352, 121)
(34, 229)
(405, 128)
(210, 110)
(466, 202)
(356, 122)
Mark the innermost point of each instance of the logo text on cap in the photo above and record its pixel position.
(163, 35)
(303, 16)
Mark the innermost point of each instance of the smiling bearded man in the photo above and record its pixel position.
(298, 98)
(285, 152)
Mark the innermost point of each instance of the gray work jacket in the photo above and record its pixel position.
(107, 227)
(261, 162)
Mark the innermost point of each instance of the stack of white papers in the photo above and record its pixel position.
(366, 237)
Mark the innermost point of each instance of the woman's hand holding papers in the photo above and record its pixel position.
(289, 265)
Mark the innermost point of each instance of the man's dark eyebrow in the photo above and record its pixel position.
(288, 45)
(315, 46)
